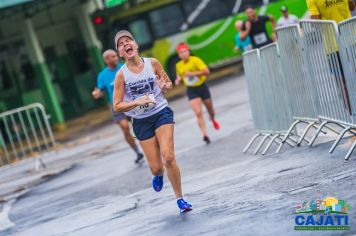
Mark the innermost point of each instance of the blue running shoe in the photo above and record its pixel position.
(157, 183)
(184, 206)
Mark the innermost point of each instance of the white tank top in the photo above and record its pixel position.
(138, 85)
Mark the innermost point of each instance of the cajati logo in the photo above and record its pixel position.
(327, 214)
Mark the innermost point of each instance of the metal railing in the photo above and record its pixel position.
(315, 68)
(269, 101)
(24, 132)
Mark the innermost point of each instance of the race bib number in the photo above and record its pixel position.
(260, 38)
(190, 81)
(146, 107)
(248, 48)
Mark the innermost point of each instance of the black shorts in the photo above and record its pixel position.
(201, 91)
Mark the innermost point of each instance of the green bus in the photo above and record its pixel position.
(206, 25)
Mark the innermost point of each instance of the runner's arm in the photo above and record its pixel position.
(246, 32)
(162, 76)
(315, 17)
(201, 66)
(119, 89)
(178, 79)
(273, 22)
(204, 71)
(97, 93)
(352, 5)
(313, 10)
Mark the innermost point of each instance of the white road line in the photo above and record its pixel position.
(5, 222)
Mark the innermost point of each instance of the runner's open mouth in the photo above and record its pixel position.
(128, 50)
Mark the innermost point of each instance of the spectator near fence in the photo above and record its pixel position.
(105, 83)
(241, 45)
(337, 11)
(255, 27)
(286, 18)
(330, 9)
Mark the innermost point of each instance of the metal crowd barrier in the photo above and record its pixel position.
(24, 132)
(301, 89)
(347, 32)
(325, 66)
(300, 84)
(317, 67)
(268, 97)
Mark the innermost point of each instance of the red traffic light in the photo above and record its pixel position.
(98, 20)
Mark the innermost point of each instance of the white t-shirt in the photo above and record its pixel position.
(292, 19)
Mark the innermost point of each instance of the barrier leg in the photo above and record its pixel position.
(322, 131)
(337, 141)
(293, 140)
(287, 142)
(332, 129)
(270, 144)
(39, 164)
(317, 133)
(305, 133)
(251, 141)
(289, 132)
(350, 151)
(261, 143)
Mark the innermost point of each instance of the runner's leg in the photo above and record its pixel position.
(164, 136)
(196, 105)
(124, 125)
(153, 156)
(209, 106)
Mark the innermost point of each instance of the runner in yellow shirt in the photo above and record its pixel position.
(330, 9)
(338, 11)
(193, 71)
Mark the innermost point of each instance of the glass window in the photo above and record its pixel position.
(5, 77)
(50, 56)
(167, 20)
(201, 12)
(79, 58)
(140, 30)
(27, 72)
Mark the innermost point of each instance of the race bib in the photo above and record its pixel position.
(146, 107)
(190, 81)
(248, 48)
(260, 38)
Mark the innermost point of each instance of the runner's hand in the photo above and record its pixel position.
(145, 100)
(161, 81)
(97, 93)
(177, 81)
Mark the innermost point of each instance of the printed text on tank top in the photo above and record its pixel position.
(138, 85)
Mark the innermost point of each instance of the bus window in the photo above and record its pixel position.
(140, 29)
(200, 12)
(166, 20)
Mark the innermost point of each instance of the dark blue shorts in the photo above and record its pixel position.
(201, 91)
(145, 128)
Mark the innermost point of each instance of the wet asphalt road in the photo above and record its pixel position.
(232, 193)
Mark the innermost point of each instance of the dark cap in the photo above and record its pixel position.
(249, 7)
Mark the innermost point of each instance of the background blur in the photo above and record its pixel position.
(50, 50)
